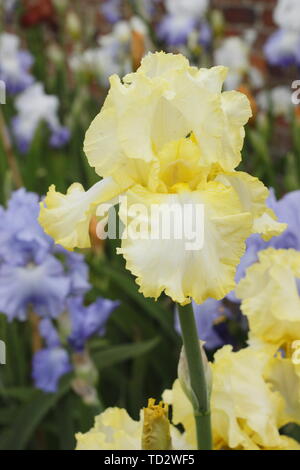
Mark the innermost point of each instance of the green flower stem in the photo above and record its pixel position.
(197, 376)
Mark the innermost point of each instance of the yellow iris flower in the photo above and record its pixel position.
(284, 377)
(167, 135)
(271, 301)
(247, 409)
(114, 429)
(271, 298)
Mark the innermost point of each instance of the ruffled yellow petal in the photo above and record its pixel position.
(202, 111)
(114, 429)
(270, 298)
(118, 142)
(168, 264)
(268, 226)
(160, 64)
(237, 112)
(253, 195)
(92, 441)
(136, 120)
(246, 412)
(135, 104)
(218, 127)
(284, 379)
(166, 66)
(191, 104)
(287, 443)
(213, 78)
(66, 217)
(101, 143)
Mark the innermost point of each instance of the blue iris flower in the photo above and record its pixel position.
(88, 321)
(209, 316)
(287, 210)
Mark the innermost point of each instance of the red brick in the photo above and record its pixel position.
(233, 30)
(261, 2)
(259, 62)
(267, 17)
(223, 3)
(239, 15)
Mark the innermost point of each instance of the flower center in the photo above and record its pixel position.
(156, 428)
(180, 164)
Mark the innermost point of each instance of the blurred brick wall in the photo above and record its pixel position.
(256, 14)
(240, 14)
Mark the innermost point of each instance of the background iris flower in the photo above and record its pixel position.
(37, 277)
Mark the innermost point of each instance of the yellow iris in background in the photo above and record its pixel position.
(270, 294)
(167, 135)
(250, 401)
